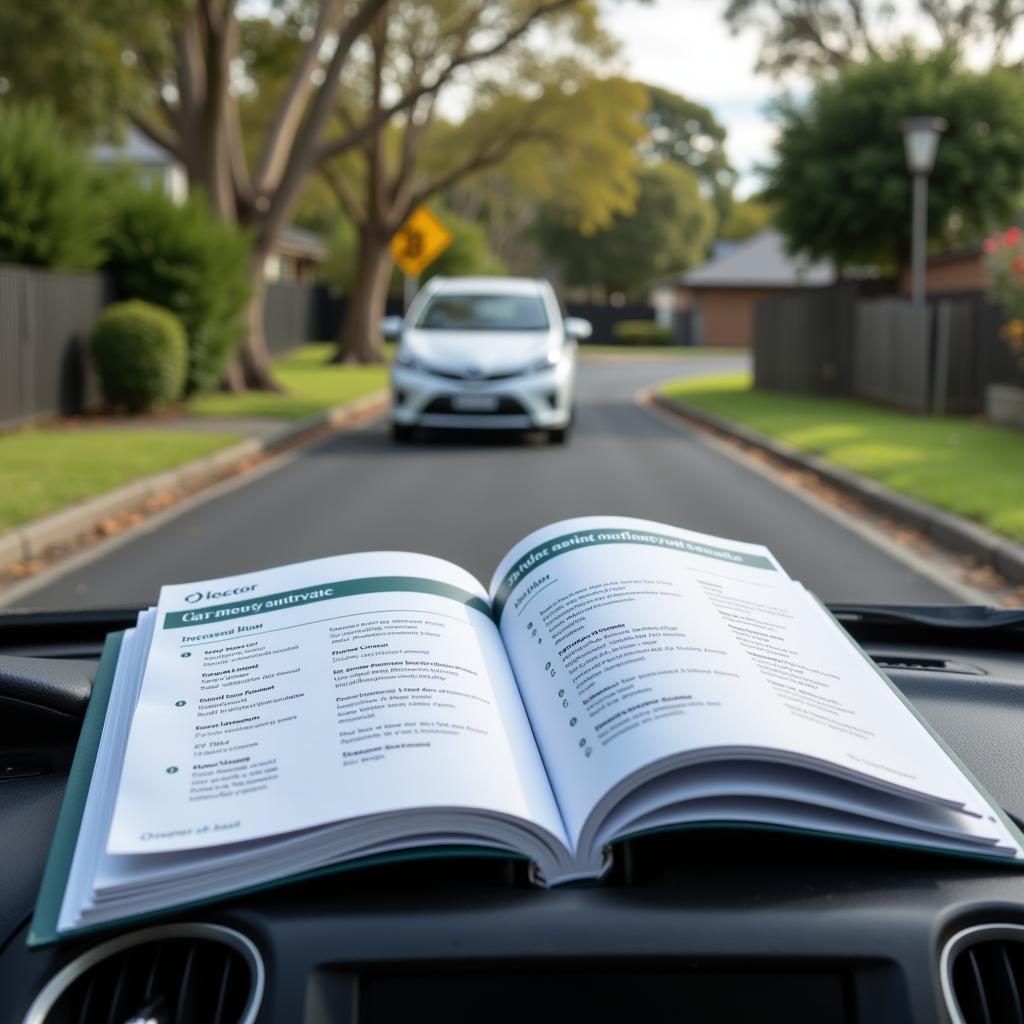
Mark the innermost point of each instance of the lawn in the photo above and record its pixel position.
(960, 464)
(311, 384)
(45, 469)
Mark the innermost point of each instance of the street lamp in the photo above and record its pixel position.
(920, 142)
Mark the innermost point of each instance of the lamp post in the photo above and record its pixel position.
(920, 143)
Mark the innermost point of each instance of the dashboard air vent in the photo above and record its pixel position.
(171, 974)
(983, 975)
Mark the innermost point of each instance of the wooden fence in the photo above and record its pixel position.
(936, 359)
(45, 320)
(892, 353)
(803, 341)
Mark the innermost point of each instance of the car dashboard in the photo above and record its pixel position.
(697, 925)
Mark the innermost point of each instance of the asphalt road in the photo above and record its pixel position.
(469, 499)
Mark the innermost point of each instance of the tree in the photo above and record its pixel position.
(839, 179)
(746, 218)
(187, 76)
(469, 253)
(51, 213)
(520, 98)
(72, 57)
(668, 231)
(689, 134)
(583, 181)
(811, 36)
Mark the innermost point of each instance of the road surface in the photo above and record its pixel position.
(470, 499)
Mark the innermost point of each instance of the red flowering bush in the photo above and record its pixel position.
(1006, 284)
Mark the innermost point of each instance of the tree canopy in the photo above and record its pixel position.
(840, 182)
(539, 95)
(75, 58)
(811, 36)
(688, 133)
(667, 232)
(746, 218)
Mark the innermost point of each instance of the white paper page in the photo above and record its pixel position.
(342, 687)
(634, 649)
(99, 803)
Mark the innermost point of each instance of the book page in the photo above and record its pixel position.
(634, 642)
(320, 692)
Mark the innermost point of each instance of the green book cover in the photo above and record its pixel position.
(58, 865)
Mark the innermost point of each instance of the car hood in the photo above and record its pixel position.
(479, 353)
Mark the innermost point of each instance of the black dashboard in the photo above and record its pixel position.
(700, 925)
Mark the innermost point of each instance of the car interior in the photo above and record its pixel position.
(695, 924)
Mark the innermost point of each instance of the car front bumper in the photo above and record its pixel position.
(541, 400)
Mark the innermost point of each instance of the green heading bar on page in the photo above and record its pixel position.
(571, 541)
(261, 604)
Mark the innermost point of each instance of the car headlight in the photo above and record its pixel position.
(405, 358)
(550, 360)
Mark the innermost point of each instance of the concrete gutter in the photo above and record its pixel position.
(67, 526)
(945, 528)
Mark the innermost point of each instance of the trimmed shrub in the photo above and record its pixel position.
(50, 212)
(141, 355)
(180, 258)
(641, 332)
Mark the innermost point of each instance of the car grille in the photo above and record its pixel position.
(451, 375)
(505, 407)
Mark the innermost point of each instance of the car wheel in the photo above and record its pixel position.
(558, 436)
(402, 433)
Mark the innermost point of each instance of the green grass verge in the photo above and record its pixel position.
(311, 385)
(43, 470)
(658, 351)
(963, 465)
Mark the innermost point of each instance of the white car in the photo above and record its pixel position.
(484, 353)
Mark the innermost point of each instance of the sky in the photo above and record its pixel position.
(685, 46)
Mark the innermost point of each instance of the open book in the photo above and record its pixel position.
(618, 677)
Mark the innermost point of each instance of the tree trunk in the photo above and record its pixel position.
(250, 369)
(359, 337)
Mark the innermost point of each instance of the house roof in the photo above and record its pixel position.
(294, 241)
(760, 262)
(133, 148)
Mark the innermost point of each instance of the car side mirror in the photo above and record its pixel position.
(577, 328)
(391, 327)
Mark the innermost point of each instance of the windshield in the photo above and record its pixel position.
(429, 275)
(484, 313)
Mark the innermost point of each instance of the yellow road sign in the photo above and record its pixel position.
(420, 240)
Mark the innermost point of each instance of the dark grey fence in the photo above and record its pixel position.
(684, 331)
(297, 313)
(803, 341)
(290, 315)
(604, 318)
(833, 341)
(892, 356)
(46, 318)
(45, 321)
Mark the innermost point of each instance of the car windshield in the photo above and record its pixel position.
(427, 275)
(484, 313)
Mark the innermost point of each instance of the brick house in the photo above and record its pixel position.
(952, 271)
(723, 293)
